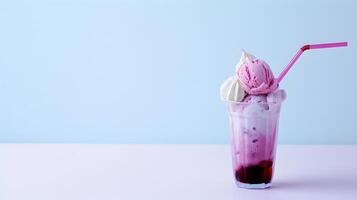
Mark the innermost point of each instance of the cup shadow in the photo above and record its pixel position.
(319, 183)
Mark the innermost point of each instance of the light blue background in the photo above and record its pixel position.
(149, 71)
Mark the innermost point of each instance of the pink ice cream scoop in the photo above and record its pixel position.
(256, 77)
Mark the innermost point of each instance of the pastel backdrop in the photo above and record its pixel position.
(148, 71)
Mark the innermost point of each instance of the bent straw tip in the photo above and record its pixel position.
(305, 47)
(340, 44)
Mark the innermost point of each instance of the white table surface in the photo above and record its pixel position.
(170, 172)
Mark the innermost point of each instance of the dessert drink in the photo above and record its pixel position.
(254, 101)
(253, 120)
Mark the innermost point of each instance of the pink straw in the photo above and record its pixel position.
(304, 48)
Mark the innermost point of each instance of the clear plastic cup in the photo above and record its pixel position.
(254, 128)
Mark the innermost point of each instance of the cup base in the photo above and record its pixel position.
(253, 186)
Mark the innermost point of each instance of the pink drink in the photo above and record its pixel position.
(254, 100)
(254, 126)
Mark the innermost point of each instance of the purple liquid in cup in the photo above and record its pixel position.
(254, 127)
